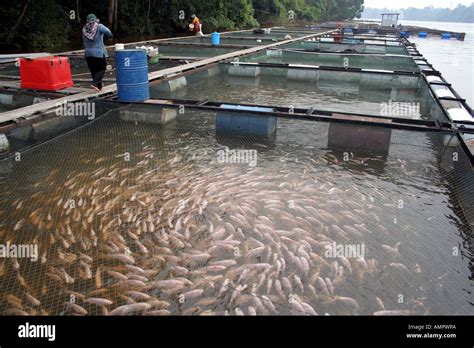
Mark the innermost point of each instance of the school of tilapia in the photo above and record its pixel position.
(178, 237)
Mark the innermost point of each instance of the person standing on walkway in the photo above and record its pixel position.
(196, 26)
(96, 54)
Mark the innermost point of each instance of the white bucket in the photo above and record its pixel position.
(4, 144)
(119, 47)
(152, 51)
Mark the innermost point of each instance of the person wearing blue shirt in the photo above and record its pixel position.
(93, 38)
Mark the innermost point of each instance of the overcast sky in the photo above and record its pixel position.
(415, 3)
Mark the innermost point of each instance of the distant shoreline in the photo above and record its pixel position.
(412, 20)
(459, 14)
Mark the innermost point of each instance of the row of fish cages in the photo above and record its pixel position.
(371, 28)
(307, 178)
(167, 53)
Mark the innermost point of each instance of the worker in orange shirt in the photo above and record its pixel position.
(196, 26)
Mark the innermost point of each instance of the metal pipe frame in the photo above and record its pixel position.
(386, 55)
(320, 67)
(318, 116)
(305, 114)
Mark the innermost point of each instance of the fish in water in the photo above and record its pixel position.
(393, 252)
(131, 308)
(166, 235)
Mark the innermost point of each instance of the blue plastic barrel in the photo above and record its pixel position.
(132, 75)
(446, 36)
(404, 34)
(216, 39)
(423, 34)
(251, 123)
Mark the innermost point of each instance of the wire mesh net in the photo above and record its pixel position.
(129, 217)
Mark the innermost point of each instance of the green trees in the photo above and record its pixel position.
(349, 8)
(48, 24)
(269, 11)
(224, 15)
(33, 24)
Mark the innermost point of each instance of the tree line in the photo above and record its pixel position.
(46, 24)
(460, 14)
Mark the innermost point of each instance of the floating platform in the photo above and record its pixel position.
(371, 27)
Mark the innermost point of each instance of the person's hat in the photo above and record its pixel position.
(91, 18)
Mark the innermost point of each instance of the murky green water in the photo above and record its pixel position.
(367, 94)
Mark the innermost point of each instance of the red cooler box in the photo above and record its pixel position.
(47, 73)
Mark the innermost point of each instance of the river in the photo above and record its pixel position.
(455, 59)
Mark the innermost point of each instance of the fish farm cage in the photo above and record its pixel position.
(307, 171)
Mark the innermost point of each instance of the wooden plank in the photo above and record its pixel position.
(180, 74)
(51, 104)
(204, 45)
(158, 101)
(11, 58)
(16, 85)
(165, 57)
(10, 77)
(10, 84)
(162, 73)
(254, 38)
